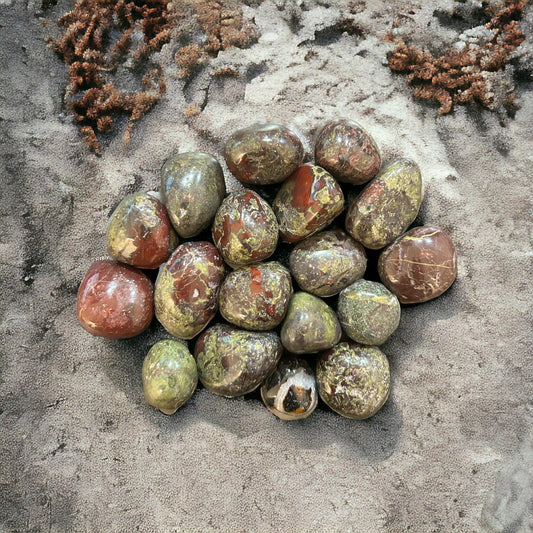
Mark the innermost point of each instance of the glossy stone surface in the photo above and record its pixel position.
(353, 379)
(387, 205)
(263, 154)
(347, 150)
(419, 265)
(307, 202)
(233, 362)
(186, 289)
(368, 312)
(245, 229)
(139, 232)
(291, 392)
(192, 188)
(256, 297)
(115, 300)
(310, 325)
(169, 375)
(327, 262)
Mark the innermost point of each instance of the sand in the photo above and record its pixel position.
(80, 450)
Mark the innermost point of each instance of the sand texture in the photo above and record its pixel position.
(452, 449)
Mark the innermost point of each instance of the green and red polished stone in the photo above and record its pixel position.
(263, 154)
(115, 301)
(232, 361)
(245, 229)
(308, 201)
(256, 297)
(186, 289)
(139, 232)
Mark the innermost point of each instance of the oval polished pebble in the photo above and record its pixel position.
(192, 187)
(256, 297)
(420, 265)
(169, 375)
(139, 232)
(115, 300)
(353, 379)
(263, 154)
(310, 325)
(290, 392)
(387, 205)
(368, 312)
(307, 202)
(186, 289)
(245, 229)
(233, 362)
(327, 262)
(346, 150)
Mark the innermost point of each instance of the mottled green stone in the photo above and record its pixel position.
(192, 187)
(310, 325)
(387, 205)
(169, 375)
(232, 361)
(368, 312)
(353, 379)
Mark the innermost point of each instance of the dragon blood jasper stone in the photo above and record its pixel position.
(186, 289)
(307, 202)
(233, 362)
(290, 392)
(346, 150)
(263, 154)
(169, 375)
(419, 265)
(115, 300)
(192, 187)
(327, 262)
(256, 297)
(368, 312)
(353, 379)
(245, 229)
(387, 205)
(139, 232)
(310, 325)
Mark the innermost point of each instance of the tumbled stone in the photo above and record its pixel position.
(368, 312)
(232, 361)
(192, 188)
(307, 202)
(169, 375)
(346, 150)
(420, 265)
(245, 229)
(310, 325)
(263, 154)
(256, 297)
(115, 300)
(327, 262)
(139, 232)
(387, 205)
(353, 379)
(290, 392)
(186, 289)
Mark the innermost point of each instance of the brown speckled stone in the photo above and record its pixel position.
(256, 297)
(327, 262)
(419, 265)
(353, 379)
(186, 289)
(346, 150)
(263, 154)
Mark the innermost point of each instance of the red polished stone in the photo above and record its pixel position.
(420, 265)
(115, 301)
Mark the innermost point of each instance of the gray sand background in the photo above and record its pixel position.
(80, 450)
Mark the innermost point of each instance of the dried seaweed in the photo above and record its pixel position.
(467, 74)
